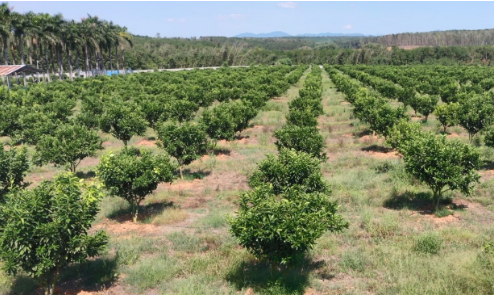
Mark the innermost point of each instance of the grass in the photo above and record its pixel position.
(395, 243)
(170, 216)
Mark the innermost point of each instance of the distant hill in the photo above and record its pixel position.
(278, 34)
(331, 35)
(264, 35)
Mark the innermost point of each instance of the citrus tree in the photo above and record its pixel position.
(447, 114)
(13, 167)
(46, 229)
(67, 146)
(281, 228)
(291, 168)
(304, 139)
(123, 120)
(133, 174)
(441, 164)
(185, 142)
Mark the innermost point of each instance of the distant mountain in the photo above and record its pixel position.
(278, 34)
(264, 35)
(331, 35)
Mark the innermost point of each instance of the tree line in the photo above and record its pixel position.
(43, 40)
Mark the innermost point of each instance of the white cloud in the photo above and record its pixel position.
(176, 20)
(288, 4)
(234, 16)
(347, 27)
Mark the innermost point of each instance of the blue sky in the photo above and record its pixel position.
(186, 19)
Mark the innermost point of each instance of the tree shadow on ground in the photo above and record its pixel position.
(189, 175)
(487, 165)
(145, 212)
(421, 202)
(377, 148)
(363, 132)
(92, 275)
(257, 275)
(221, 151)
(85, 175)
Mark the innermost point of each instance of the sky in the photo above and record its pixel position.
(229, 18)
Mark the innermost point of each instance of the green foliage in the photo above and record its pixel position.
(123, 120)
(475, 113)
(13, 167)
(281, 228)
(186, 142)
(489, 137)
(46, 229)
(447, 114)
(302, 118)
(304, 139)
(133, 174)
(226, 119)
(290, 169)
(377, 112)
(402, 133)
(179, 110)
(428, 243)
(67, 146)
(441, 164)
(34, 125)
(425, 104)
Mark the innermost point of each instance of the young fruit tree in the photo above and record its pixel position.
(13, 167)
(303, 139)
(291, 168)
(185, 142)
(302, 118)
(447, 114)
(219, 123)
(123, 120)
(67, 146)
(426, 104)
(441, 164)
(282, 228)
(46, 229)
(475, 113)
(133, 174)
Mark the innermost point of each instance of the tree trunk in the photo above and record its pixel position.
(181, 175)
(123, 58)
(86, 57)
(6, 51)
(52, 60)
(59, 60)
(116, 57)
(69, 60)
(102, 58)
(47, 64)
(96, 60)
(135, 210)
(29, 51)
(12, 50)
(21, 49)
(437, 196)
(77, 59)
(111, 60)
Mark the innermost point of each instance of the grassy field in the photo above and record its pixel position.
(395, 244)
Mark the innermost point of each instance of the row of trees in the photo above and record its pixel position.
(288, 207)
(42, 40)
(441, 164)
(45, 229)
(466, 98)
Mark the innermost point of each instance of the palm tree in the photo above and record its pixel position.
(89, 34)
(123, 37)
(5, 29)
